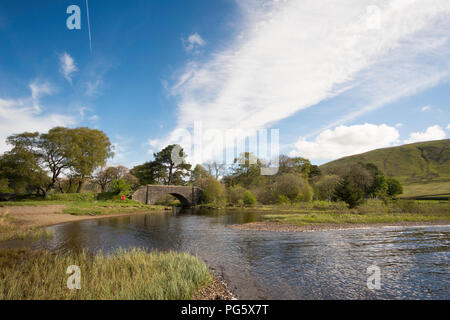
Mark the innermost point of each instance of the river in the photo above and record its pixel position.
(414, 262)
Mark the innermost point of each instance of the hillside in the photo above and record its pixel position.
(423, 168)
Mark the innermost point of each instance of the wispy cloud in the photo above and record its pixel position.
(431, 133)
(193, 42)
(67, 66)
(425, 108)
(292, 55)
(25, 114)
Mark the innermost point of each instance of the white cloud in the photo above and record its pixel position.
(399, 125)
(346, 140)
(432, 133)
(194, 41)
(425, 108)
(292, 55)
(448, 127)
(67, 66)
(92, 86)
(25, 114)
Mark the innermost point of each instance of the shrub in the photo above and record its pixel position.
(281, 199)
(234, 194)
(348, 191)
(294, 187)
(324, 188)
(394, 187)
(212, 191)
(120, 187)
(88, 196)
(375, 206)
(248, 198)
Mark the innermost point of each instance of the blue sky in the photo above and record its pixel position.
(335, 79)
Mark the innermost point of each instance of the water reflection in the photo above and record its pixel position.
(265, 265)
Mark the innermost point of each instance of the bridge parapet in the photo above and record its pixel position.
(149, 194)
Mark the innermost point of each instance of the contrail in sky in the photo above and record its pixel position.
(89, 25)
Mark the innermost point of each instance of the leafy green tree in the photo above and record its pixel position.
(248, 198)
(90, 150)
(21, 166)
(324, 188)
(379, 187)
(212, 191)
(235, 194)
(199, 173)
(348, 191)
(394, 187)
(293, 186)
(4, 186)
(120, 187)
(172, 172)
(149, 173)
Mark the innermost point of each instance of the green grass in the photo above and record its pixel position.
(423, 168)
(373, 211)
(90, 207)
(11, 228)
(133, 274)
(339, 218)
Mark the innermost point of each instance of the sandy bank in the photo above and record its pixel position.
(40, 216)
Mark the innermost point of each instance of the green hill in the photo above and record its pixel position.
(423, 168)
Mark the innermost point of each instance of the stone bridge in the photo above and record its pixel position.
(149, 194)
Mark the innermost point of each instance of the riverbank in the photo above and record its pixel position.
(27, 219)
(126, 274)
(285, 227)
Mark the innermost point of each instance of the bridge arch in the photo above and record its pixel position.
(149, 194)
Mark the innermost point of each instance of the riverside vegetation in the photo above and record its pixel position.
(132, 274)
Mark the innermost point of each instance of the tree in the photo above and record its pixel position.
(55, 153)
(199, 173)
(235, 195)
(104, 176)
(324, 188)
(119, 186)
(394, 187)
(248, 198)
(379, 187)
(21, 167)
(149, 173)
(215, 169)
(171, 171)
(361, 177)
(4, 186)
(348, 191)
(292, 186)
(212, 191)
(75, 152)
(90, 150)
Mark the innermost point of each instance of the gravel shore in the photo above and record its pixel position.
(282, 227)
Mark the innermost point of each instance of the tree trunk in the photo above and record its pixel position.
(80, 185)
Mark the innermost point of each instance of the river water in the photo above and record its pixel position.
(414, 262)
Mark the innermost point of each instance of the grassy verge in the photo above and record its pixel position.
(133, 274)
(373, 211)
(339, 218)
(90, 207)
(11, 228)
